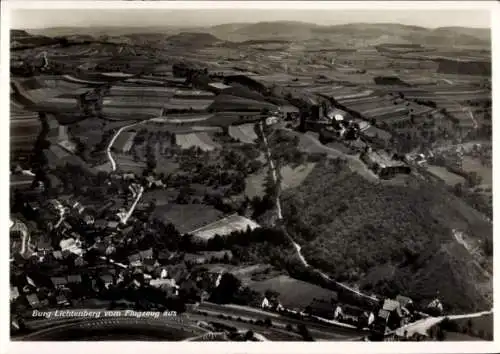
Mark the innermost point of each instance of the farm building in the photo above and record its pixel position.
(383, 165)
(297, 295)
(224, 227)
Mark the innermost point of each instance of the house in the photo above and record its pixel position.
(391, 313)
(43, 245)
(163, 283)
(405, 302)
(383, 165)
(33, 300)
(112, 225)
(135, 259)
(164, 256)
(100, 224)
(107, 279)
(435, 306)
(62, 300)
(59, 282)
(351, 314)
(147, 254)
(71, 245)
(14, 293)
(74, 279)
(321, 308)
(163, 274)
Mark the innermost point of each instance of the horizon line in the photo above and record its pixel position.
(247, 23)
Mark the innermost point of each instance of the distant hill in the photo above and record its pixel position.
(481, 33)
(193, 39)
(368, 33)
(20, 39)
(297, 31)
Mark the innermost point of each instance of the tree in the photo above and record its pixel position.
(473, 179)
(488, 246)
(248, 335)
(458, 190)
(304, 332)
(227, 289)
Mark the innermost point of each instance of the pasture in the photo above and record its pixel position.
(201, 140)
(244, 133)
(255, 184)
(471, 164)
(293, 293)
(448, 177)
(293, 177)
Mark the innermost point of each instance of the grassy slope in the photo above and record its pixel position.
(387, 238)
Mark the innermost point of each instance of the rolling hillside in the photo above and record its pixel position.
(388, 239)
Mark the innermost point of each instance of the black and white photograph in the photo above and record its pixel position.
(235, 174)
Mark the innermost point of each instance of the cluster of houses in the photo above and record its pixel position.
(387, 316)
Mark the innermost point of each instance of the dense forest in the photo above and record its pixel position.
(388, 239)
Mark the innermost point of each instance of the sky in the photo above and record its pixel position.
(46, 18)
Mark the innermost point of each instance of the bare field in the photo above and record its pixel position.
(244, 133)
(293, 177)
(201, 140)
(471, 164)
(293, 293)
(254, 184)
(448, 177)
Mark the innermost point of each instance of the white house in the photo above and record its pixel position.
(265, 303)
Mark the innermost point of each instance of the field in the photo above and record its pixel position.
(187, 217)
(448, 177)
(254, 185)
(244, 133)
(126, 163)
(225, 226)
(481, 326)
(293, 177)
(470, 164)
(294, 294)
(201, 140)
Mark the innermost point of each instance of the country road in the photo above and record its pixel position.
(423, 325)
(110, 145)
(119, 131)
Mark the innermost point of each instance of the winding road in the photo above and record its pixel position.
(297, 247)
(423, 325)
(110, 145)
